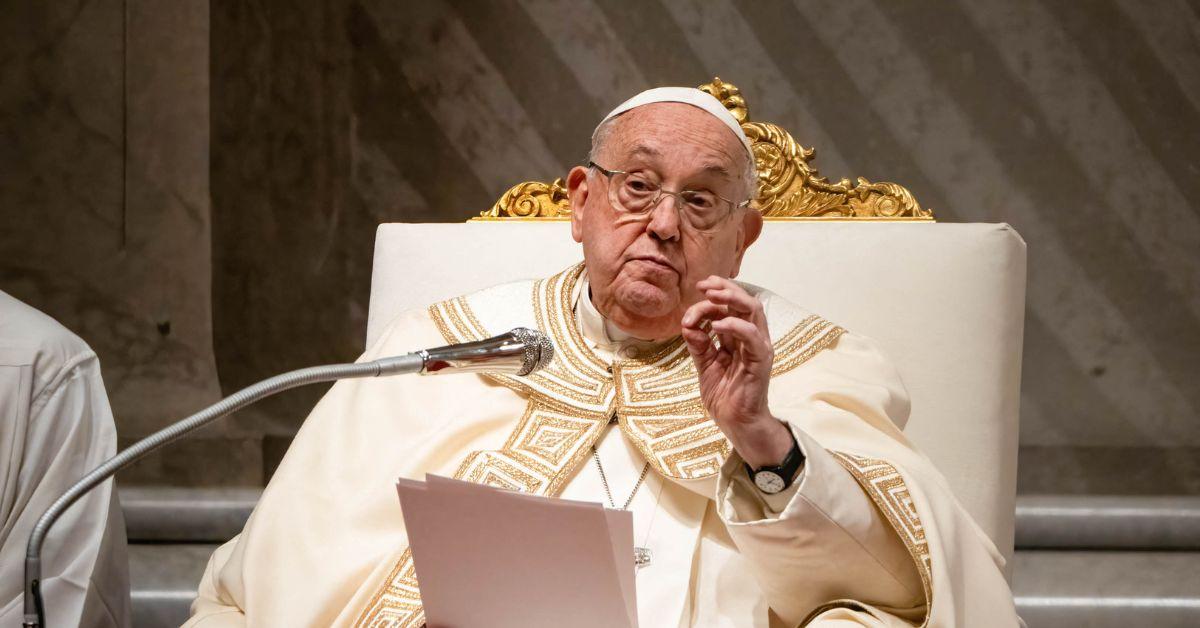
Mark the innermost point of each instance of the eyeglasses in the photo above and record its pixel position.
(638, 193)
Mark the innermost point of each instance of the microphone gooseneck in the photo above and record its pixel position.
(519, 352)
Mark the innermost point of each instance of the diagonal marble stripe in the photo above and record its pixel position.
(393, 120)
(465, 94)
(654, 40)
(387, 195)
(1054, 388)
(539, 80)
(865, 141)
(590, 49)
(1143, 89)
(722, 39)
(1173, 34)
(1073, 104)
(1068, 292)
(1026, 158)
(1068, 374)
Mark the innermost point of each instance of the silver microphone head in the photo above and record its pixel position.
(519, 352)
(539, 351)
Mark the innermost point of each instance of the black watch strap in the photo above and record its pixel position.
(771, 480)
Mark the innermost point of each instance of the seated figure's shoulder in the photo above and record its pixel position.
(783, 316)
(509, 295)
(800, 334)
(30, 338)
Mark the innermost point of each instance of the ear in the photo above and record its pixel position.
(577, 194)
(748, 232)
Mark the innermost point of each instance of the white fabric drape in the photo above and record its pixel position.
(55, 426)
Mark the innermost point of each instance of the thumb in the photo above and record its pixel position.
(699, 345)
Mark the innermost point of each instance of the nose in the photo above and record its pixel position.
(664, 218)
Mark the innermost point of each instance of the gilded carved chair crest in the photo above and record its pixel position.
(788, 184)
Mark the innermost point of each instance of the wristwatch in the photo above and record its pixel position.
(772, 480)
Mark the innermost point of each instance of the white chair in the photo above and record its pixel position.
(945, 300)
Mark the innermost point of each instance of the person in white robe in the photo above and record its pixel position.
(55, 426)
(758, 446)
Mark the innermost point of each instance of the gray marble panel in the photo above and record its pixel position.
(205, 461)
(104, 191)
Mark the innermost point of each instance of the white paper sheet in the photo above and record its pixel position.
(486, 557)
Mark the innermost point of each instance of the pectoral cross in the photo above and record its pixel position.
(641, 556)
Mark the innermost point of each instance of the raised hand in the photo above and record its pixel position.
(735, 369)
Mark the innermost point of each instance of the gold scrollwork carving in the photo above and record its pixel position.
(789, 186)
(532, 199)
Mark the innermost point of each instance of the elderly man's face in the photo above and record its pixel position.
(643, 269)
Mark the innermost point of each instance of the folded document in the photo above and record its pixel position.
(495, 558)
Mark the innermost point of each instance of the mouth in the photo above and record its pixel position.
(659, 263)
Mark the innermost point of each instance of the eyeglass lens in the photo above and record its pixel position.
(637, 193)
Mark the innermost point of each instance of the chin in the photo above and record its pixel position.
(647, 301)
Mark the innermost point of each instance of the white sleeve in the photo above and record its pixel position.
(825, 539)
(772, 504)
(51, 438)
(829, 527)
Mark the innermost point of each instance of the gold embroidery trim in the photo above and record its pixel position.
(884, 484)
(398, 604)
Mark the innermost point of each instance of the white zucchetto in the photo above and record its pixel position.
(687, 95)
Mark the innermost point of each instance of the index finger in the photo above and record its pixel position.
(730, 294)
(715, 282)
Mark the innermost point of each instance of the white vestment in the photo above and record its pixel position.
(869, 534)
(55, 426)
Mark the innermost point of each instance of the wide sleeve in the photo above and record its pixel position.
(827, 540)
(54, 432)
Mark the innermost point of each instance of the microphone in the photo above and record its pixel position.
(519, 352)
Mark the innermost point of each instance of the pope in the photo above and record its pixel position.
(758, 446)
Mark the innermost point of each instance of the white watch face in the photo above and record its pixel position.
(768, 482)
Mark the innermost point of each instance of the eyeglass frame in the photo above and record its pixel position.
(679, 202)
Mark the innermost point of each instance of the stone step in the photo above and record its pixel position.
(1108, 522)
(163, 579)
(1100, 589)
(214, 515)
(185, 515)
(1053, 588)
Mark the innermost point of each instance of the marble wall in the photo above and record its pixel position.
(282, 184)
(307, 124)
(105, 201)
